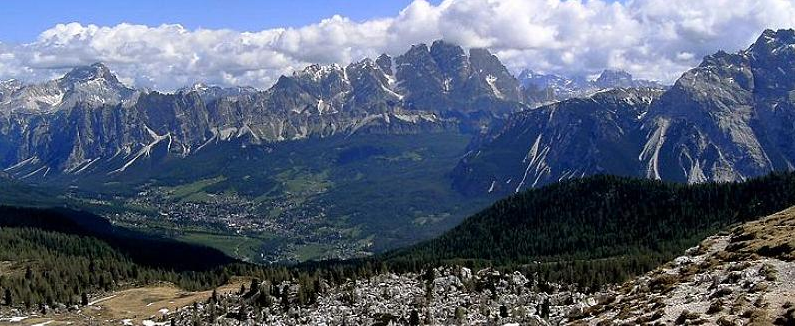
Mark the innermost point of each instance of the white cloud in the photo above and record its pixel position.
(656, 39)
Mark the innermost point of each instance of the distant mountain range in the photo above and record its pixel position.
(89, 122)
(547, 88)
(728, 119)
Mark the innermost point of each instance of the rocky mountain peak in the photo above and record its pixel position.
(556, 88)
(613, 78)
(9, 86)
(96, 71)
(419, 49)
(530, 78)
(209, 93)
(773, 41)
(444, 51)
(494, 75)
(453, 63)
(318, 72)
(728, 119)
(425, 89)
(10, 83)
(482, 60)
(530, 75)
(385, 62)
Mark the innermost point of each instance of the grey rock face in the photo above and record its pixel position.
(443, 76)
(7, 87)
(562, 87)
(90, 86)
(728, 119)
(89, 122)
(568, 139)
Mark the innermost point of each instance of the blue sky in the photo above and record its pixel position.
(22, 21)
(651, 39)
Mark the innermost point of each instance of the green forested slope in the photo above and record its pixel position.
(601, 228)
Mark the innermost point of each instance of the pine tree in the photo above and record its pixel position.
(544, 309)
(252, 289)
(414, 319)
(285, 301)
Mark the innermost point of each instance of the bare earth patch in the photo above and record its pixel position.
(147, 305)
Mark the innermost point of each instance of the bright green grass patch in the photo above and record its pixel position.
(193, 190)
(311, 251)
(246, 248)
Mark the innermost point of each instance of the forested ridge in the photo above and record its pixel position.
(600, 229)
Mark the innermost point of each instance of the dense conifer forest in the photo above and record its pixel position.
(600, 229)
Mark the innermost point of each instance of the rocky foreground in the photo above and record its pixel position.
(742, 277)
(449, 296)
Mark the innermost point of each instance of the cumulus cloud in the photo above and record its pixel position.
(654, 39)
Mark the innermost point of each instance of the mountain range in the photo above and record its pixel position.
(728, 119)
(547, 88)
(89, 122)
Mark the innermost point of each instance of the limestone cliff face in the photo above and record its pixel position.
(728, 119)
(568, 139)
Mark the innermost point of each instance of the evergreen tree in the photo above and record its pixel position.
(414, 318)
(252, 289)
(214, 296)
(285, 301)
(544, 309)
